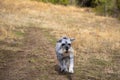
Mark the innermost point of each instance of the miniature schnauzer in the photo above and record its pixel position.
(65, 56)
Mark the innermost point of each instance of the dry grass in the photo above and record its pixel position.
(97, 37)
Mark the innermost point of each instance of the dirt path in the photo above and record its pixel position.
(35, 61)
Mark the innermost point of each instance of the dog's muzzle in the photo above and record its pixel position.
(66, 48)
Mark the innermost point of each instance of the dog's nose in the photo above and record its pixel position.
(67, 48)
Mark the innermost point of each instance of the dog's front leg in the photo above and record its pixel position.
(61, 65)
(60, 62)
(71, 66)
(65, 66)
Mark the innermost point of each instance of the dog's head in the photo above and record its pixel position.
(66, 43)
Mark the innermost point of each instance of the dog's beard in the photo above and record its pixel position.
(66, 53)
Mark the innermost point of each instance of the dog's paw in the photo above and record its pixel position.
(62, 69)
(71, 71)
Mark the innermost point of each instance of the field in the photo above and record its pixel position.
(25, 26)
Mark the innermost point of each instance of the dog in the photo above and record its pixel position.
(65, 54)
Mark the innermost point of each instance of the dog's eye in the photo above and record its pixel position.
(69, 44)
(63, 44)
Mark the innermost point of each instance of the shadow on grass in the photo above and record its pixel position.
(67, 75)
(6, 56)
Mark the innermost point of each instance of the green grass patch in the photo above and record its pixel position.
(19, 33)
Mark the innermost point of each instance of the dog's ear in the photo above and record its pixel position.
(72, 39)
(59, 41)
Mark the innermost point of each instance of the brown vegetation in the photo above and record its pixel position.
(97, 45)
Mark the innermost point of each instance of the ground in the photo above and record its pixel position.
(34, 60)
(29, 30)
